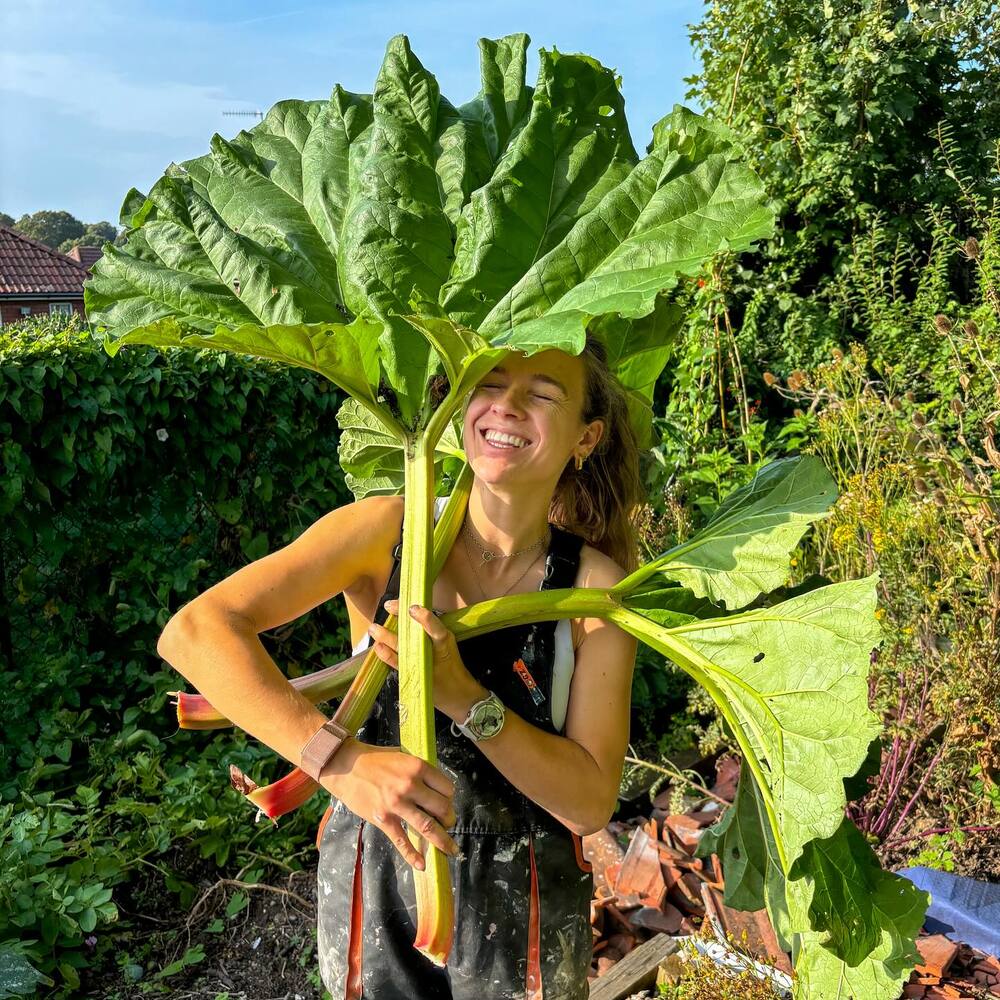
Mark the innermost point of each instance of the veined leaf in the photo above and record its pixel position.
(372, 458)
(464, 355)
(745, 843)
(638, 350)
(396, 235)
(681, 204)
(473, 137)
(851, 897)
(343, 353)
(505, 99)
(573, 149)
(744, 549)
(791, 681)
(882, 907)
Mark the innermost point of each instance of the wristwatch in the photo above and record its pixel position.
(485, 719)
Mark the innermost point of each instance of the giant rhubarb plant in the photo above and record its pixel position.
(399, 245)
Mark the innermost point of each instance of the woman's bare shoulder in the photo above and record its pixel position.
(597, 569)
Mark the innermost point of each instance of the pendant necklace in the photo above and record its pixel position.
(475, 572)
(489, 556)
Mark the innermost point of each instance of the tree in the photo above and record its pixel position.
(50, 228)
(856, 114)
(6, 220)
(95, 234)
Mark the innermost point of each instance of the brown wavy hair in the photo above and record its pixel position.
(599, 501)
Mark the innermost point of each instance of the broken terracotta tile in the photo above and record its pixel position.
(618, 919)
(684, 831)
(662, 800)
(671, 874)
(611, 874)
(672, 854)
(703, 817)
(665, 920)
(640, 870)
(602, 849)
(605, 962)
(727, 776)
(686, 898)
(937, 954)
(622, 943)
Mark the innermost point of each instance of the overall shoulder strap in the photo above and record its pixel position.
(563, 559)
(392, 587)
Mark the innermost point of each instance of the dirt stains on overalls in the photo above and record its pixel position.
(522, 887)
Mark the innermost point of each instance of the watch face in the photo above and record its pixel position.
(489, 719)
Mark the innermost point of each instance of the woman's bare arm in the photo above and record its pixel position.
(213, 641)
(576, 776)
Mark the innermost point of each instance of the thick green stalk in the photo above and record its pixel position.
(435, 906)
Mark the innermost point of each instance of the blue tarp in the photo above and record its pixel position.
(963, 909)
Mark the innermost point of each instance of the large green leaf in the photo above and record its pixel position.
(397, 239)
(853, 923)
(372, 457)
(573, 149)
(850, 896)
(521, 204)
(744, 548)
(791, 681)
(746, 846)
(343, 353)
(638, 350)
(476, 135)
(691, 197)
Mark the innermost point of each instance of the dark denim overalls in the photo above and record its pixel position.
(522, 890)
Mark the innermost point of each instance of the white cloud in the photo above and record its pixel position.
(108, 100)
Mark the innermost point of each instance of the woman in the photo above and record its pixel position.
(548, 439)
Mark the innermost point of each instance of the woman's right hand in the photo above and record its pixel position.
(386, 787)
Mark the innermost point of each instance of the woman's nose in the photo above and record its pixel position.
(509, 401)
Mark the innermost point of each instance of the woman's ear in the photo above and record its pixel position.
(592, 435)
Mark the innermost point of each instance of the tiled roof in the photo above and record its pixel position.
(28, 267)
(88, 256)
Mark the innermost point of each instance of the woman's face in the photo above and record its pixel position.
(539, 401)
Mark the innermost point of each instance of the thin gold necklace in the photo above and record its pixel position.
(475, 572)
(489, 556)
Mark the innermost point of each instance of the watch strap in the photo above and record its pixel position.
(324, 744)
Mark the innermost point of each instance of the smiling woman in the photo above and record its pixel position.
(522, 886)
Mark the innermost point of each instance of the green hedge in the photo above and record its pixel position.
(130, 485)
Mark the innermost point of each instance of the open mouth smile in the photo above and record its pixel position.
(499, 441)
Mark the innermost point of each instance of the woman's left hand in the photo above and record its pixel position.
(455, 689)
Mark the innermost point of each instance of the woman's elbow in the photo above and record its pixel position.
(177, 634)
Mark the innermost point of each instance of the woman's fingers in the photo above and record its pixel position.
(432, 626)
(385, 644)
(394, 830)
(436, 805)
(429, 828)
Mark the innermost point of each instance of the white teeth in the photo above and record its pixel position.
(498, 437)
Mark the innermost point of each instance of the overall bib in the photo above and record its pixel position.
(523, 889)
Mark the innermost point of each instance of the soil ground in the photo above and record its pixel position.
(267, 951)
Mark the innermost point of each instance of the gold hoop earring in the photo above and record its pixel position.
(579, 462)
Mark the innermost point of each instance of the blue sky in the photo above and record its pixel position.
(99, 96)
